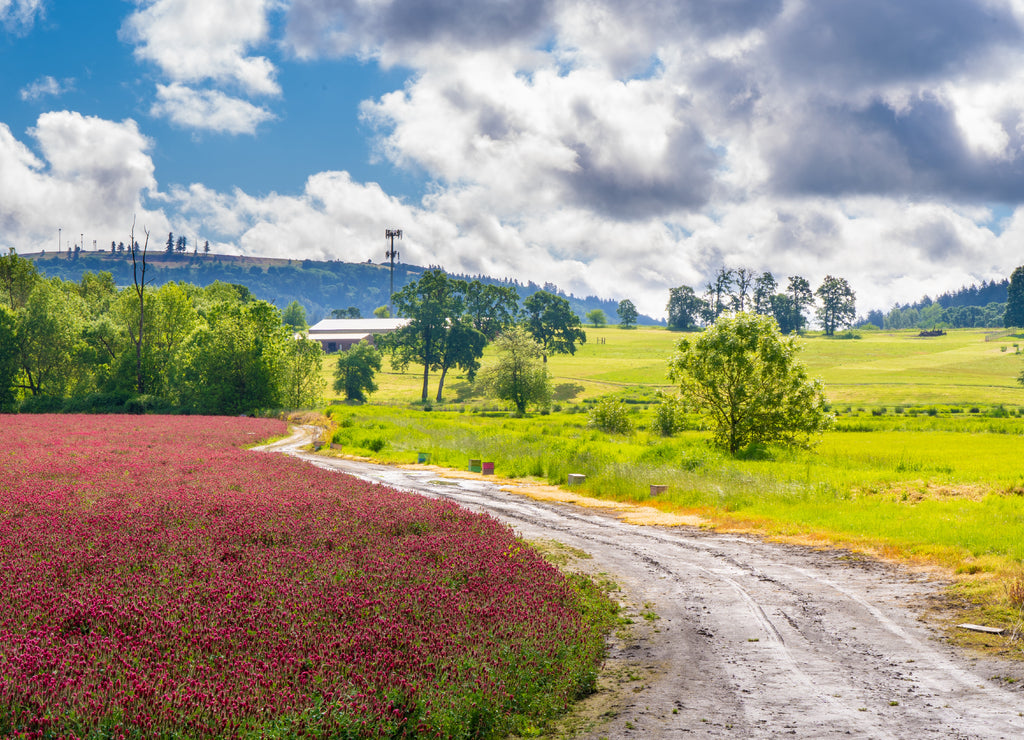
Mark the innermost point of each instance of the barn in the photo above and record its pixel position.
(337, 335)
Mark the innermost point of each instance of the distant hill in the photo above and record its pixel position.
(319, 286)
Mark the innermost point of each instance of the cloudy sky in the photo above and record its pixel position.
(616, 149)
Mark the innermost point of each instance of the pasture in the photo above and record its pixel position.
(924, 460)
(965, 367)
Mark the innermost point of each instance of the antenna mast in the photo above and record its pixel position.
(391, 254)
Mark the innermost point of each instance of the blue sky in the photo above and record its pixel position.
(614, 149)
(82, 48)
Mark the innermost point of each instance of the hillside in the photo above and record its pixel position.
(319, 286)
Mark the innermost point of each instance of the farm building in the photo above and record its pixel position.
(339, 334)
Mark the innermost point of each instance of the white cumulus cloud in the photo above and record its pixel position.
(196, 40)
(90, 176)
(210, 110)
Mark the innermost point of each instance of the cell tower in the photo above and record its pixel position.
(391, 254)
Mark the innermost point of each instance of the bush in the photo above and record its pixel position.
(610, 416)
(42, 405)
(668, 416)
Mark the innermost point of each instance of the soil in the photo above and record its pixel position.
(733, 636)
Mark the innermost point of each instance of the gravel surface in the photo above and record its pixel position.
(737, 637)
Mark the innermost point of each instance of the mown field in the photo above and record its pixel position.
(924, 461)
(965, 367)
(157, 580)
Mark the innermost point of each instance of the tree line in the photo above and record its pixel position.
(935, 316)
(743, 291)
(962, 309)
(451, 321)
(89, 345)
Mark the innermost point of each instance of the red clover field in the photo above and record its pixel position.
(159, 580)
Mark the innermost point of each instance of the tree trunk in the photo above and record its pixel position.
(426, 381)
(440, 384)
(139, 385)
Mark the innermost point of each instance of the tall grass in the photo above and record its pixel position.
(920, 489)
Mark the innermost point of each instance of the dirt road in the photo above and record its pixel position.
(735, 637)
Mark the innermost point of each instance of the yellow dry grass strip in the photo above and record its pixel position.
(627, 512)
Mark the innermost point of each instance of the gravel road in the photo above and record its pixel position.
(737, 637)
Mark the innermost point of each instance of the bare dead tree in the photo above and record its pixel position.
(139, 279)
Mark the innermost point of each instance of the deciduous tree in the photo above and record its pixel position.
(491, 309)
(234, 363)
(765, 288)
(8, 359)
(17, 278)
(800, 299)
(437, 335)
(684, 308)
(519, 375)
(627, 314)
(553, 324)
(743, 280)
(838, 304)
(718, 294)
(137, 333)
(294, 315)
(354, 373)
(302, 380)
(49, 336)
(463, 348)
(596, 318)
(744, 377)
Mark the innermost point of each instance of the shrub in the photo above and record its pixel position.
(610, 416)
(1014, 588)
(42, 405)
(668, 416)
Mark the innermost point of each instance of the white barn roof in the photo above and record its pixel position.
(356, 326)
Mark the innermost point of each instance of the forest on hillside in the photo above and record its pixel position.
(981, 305)
(320, 287)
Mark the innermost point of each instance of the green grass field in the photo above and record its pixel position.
(924, 462)
(965, 367)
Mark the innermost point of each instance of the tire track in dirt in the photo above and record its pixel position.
(744, 638)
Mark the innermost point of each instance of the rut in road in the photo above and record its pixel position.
(752, 639)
